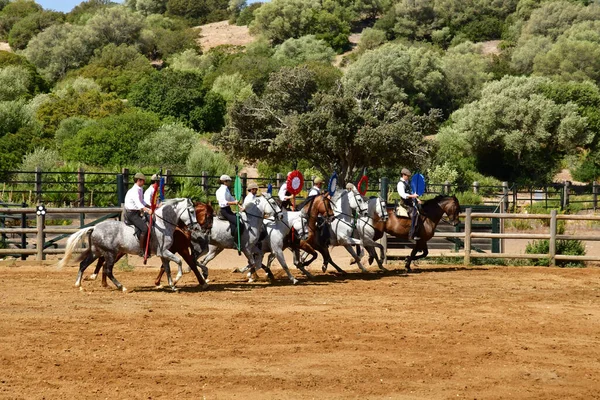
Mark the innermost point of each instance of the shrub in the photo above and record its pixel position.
(565, 247)
(168, 147)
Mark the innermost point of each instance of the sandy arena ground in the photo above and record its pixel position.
(444, 332)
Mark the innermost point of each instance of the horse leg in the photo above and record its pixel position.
(191, 262)
(410, 258)
(108, 271)
(423, 249)
(90, 257)
(166, 257)
(93, 276)
(281, 259)
(356, 257)
(159, 277)
(328, 260)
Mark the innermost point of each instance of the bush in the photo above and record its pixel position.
(168, 147)
(22, 32)
(565, 247)
(203, 158)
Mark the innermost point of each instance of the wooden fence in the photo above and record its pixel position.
(468, 235)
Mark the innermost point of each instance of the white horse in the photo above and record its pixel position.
(252, 219)
(109, 238)
(365, 230)
(277, 230)
(343, 227)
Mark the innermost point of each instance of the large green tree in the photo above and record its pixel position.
(332, 131)
(514, 132)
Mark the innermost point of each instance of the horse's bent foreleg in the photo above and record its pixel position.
(108, 271)
(356, 258)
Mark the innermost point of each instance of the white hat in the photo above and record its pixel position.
(154, 177)
(224, 178)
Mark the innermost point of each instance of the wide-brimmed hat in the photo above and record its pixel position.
(224, 178)
(154, 177)
(139, 175)
(317, 180)
(405, 171)
(252, 186)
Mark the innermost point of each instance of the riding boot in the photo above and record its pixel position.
(142, 245)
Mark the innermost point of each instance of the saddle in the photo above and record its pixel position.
(222, 218)
(402, 212)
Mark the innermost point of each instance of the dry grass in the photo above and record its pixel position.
(218, 33)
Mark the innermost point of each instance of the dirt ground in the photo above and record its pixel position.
(444, 332)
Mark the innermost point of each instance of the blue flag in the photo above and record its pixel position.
(161, 189)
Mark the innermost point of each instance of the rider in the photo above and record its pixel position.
(284, 195)
(226, 200)
(150, 191)
(408, 199)
(251, 196)
(316, 188)
(135, 205)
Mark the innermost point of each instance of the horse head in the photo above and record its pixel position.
(378, 206)
(272, 207)
(357, 202)
(451, 208)
(204, 215)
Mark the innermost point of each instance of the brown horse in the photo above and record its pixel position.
(182, 241)
(432, 212)
(313, 207)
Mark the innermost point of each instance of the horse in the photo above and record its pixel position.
(110, 238)
(182, 241)
(431, 214)
(368, 210)
(278, 231)
(252, 219)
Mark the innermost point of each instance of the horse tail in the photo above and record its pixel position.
(73, 241)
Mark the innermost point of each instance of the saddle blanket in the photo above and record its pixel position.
(401, 211)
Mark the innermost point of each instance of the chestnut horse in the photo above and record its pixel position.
(182, 240)
(432, 212)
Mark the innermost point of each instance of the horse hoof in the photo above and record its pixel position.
(81, 289)
(174, 289)
(324, 268)
(92, 277)
(124, 289)
(158, 286)
(295, 281)
(204, 287)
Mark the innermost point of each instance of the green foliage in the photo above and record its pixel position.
(31, 25)
(71, 102)
(164, 37)
(306, 48)
(394, 73)
(565, 247)
(513, 133)
(441, 173)
(180, 95)
(198, 12)
(40, 157)
(469, 198)
(147, 7)
(111, 141)
(116, 68)
(15, 83)
(331, 131)
(67, 130)
(487, 28)
(15, 11)
(203, 158)
(232, 87)
(370, 39)
(246, 15)
(37, 83)
(168, 147)
(85, 10)
(280, 20)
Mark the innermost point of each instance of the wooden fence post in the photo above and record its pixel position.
(204, 182)
(552, 244)
(502, 211)
(565, 203)
(81, 186)
(595, 194)
(125, 172)
(168, 177)
(476, 187)
(38, 184)
(40, 241)
(468, 236)
(505, 195)
(279, 180)
(446, 189)
(244, 178)
(384, 188)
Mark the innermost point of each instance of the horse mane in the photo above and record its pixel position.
(309, 199)
(436, 199)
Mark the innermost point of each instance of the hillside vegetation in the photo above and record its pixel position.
(508, 89)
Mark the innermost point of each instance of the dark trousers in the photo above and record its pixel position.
(135, 218)
(413, 212)
(229, 215)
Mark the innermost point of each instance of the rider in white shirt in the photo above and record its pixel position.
(226, 200)
(284, 195)
(316, 188)
(135, 206)
(150, 191)
(251, 196)
(409, 199)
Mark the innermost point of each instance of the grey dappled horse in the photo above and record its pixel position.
(109, 238)
(252, 220)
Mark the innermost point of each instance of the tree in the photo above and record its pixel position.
(116, 68)
(116, 25)
(111, 141)
(232, 88)
(15, 83)
(292, 120)
(26, 28)
(72, 101)
(199, 11)
(179, 95)
(395, 73)
(15, 11)
(513, 132)
(574, 56)
(306, 48)
(168, 147)
(147, 7)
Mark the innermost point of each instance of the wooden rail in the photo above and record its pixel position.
(41, 230)
(551, 236)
